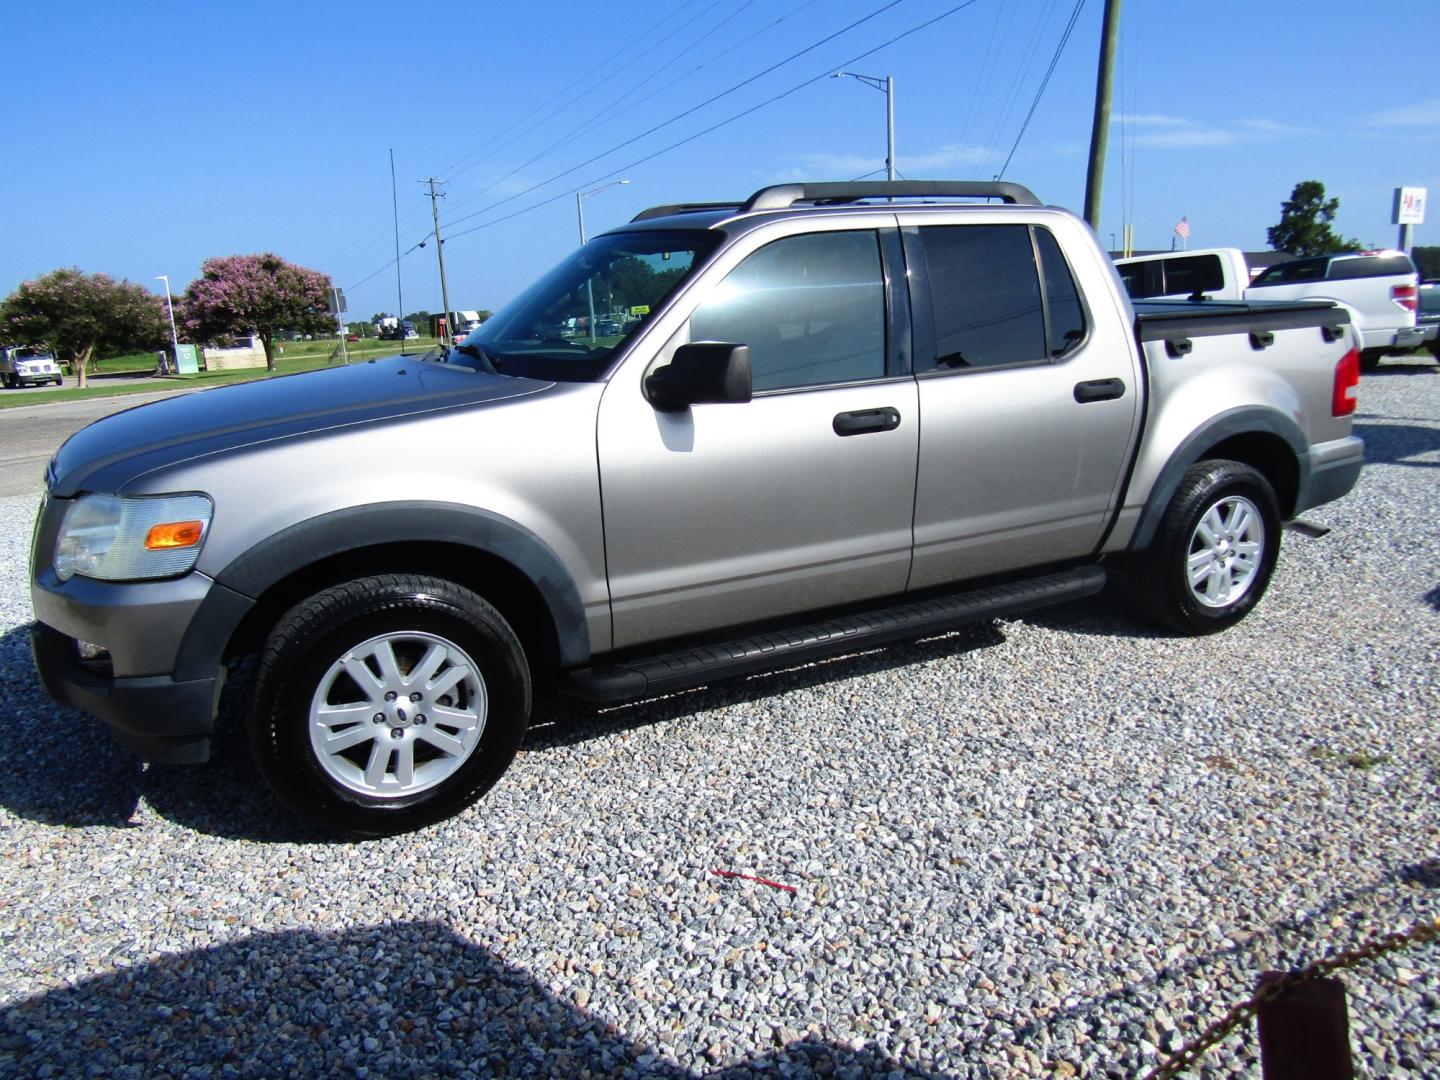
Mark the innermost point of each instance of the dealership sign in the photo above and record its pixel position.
(1409, 206)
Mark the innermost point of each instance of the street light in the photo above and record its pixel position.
(580, 197)
(170, 307)
(887, 85)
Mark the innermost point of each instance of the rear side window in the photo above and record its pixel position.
(1197, 273)
(1371, 266)
(985, 293)
(811, 308)
(1292, 273)
(1064, 313)
(1000, 294)
(1142, 279)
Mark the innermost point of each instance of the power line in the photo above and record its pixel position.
(591, 86)
(592, 119)
(1060, 48)
(723, 123)
(680, 116)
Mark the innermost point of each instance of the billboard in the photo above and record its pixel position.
(1409, 206)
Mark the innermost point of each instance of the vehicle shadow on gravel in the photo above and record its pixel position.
(561, 721)
(406, 999)
(62, 768)
(1398, 444)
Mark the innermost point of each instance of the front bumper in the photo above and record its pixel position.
(25, 378)
(152, 716)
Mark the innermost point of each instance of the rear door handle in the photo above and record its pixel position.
(866, 420)
(1099, 390)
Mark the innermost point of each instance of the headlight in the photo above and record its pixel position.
(123, 539)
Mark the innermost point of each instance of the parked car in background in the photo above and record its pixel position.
(1378, 288)
(28, 367)
(1213, 273)
(1428, 315)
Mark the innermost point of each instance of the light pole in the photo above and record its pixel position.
(170, 308)
(580, 197)
(887, 85)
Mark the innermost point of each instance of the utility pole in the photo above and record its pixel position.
(1100, 131)
(440, 253)
(887, 87)
(399, 291)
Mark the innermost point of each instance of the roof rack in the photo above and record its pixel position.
(784, 196)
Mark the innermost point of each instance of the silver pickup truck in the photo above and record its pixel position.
(829, 416)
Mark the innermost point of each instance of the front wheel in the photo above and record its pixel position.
(388, 703)
(1213, 553)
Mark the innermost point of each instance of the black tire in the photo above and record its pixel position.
(1370, 359)
(1158, 579)
(299, 667)
(10, 382)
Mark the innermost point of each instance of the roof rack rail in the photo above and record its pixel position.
(783, 196)
(667, 209)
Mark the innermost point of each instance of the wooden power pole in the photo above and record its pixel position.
(1100, 132)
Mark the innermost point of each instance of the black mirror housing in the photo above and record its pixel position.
(701, 373)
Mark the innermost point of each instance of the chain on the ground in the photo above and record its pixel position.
(1191, 1052)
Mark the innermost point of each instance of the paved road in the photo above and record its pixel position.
(29, 435)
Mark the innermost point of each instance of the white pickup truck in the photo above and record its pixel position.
(1378, 288)
(1212, 273)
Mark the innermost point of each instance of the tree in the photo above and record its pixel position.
(1304, 227)
(256, 294)
(421, 319)
(74, 314)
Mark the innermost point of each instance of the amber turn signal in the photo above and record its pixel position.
(174, 534)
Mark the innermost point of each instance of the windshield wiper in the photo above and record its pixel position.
(478, 353)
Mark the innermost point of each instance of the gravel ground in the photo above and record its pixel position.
(1057, 845)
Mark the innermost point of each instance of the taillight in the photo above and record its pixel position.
(1347, 384)
(1404, 295)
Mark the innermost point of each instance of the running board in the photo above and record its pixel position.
(661, 674)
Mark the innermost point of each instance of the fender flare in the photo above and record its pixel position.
(1247, 420)
(246, 578)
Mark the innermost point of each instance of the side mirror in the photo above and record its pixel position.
(701, 373)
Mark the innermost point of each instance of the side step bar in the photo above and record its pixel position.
(661, 674)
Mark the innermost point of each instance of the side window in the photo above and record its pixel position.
(811, 308)
(1197, 273)
(985, 293)
(1065, 314)
(1141, 279)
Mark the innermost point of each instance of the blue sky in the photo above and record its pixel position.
(144, 138)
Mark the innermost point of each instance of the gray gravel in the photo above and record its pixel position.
(1051, 846)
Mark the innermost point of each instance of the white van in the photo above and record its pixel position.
(1379, 288)
(1214, 273)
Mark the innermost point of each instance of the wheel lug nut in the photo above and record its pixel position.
(390, 695)
(379, 718)
(397, 733)
(415, 696)
(420, 719)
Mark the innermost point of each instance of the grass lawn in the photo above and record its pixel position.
(298, 356)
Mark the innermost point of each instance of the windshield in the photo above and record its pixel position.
(568, 324)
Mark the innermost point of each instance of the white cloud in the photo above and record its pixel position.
(1176, 132)
(1420, 114)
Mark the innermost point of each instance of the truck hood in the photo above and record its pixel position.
(114, 451)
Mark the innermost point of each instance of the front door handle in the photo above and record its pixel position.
(1099, 390)
(866, 420)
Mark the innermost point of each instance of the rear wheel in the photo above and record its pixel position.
(388, 703)
(10, 381)
(1213, 553)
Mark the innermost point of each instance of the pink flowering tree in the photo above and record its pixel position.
(255, 294)
(77, 315)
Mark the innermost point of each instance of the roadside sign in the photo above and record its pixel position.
(337, 301)
(1409, 206)
(640, 309)
(187, 359)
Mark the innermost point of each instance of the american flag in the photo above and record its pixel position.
(1182, 229)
